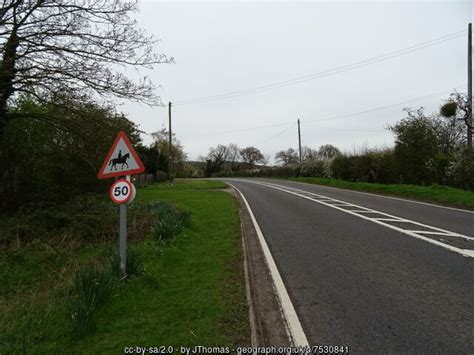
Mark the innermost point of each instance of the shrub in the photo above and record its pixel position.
(312, 169)
(461, 170)
(90, 288)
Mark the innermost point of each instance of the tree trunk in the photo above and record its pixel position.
(7, 74)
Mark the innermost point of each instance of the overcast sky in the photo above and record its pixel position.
(224, 47)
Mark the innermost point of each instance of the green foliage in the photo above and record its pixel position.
(170, 221)
(156, 156)
(415, 145)
(448, 109)
(462, 169)
(53, 151)
(89, 290)
(135, 265)
(89, 218)
(313, 169)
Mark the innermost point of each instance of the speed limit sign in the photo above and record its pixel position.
(121, 191)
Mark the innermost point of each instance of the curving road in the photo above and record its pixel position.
(377, 274)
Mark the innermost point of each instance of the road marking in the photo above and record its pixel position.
(295, 330)
(383, 196)
(415, 234)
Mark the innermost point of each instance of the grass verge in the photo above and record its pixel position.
(191, 292)
(438, 194)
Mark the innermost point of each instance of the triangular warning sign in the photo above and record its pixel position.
(121, 160)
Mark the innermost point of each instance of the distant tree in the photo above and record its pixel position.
(218, 155)
(55, 46)
(327, 152)
(308, 153)
(416, 145)
(216, 159)
(287, 157)
(251, 156)
(233, 156)
(159, 150)
(266, 160)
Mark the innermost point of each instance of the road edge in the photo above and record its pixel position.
(293, 326)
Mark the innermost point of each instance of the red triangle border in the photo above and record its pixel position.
(140, 169)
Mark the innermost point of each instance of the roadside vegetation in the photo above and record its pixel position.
(433, 193)
(185, 285)
(431, 160)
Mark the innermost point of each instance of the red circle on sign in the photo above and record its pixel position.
(117, 192)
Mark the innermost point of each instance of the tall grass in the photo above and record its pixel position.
(90, 288)
(169, 222)
(134, 261)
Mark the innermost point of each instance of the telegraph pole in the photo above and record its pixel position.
(299, 138)
(469, 85)
(170, 175)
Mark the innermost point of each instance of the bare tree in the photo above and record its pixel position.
(287, 157)
(308, 153)
(83, 46)
(328, 151)
(233, 156)
(218, 156)
(251, 156)
(266, 160)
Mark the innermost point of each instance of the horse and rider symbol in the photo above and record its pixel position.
(119, 160)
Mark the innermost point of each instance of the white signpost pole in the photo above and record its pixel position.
(123, 235)
(123, 239)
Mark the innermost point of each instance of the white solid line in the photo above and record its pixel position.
(440, 233)
(295, 329)
(463, 252)
(381, 196)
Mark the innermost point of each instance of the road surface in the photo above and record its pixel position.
(376, 274)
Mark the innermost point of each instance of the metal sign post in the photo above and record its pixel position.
(123, 239)
(122, 161)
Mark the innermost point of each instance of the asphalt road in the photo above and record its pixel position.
(360, 273)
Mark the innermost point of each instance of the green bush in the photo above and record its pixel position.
(461, 169)
(313, 169)
(90, 288)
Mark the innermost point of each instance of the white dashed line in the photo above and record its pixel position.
(364, 213)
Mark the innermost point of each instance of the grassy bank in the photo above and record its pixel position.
(435, 193)
(192, 291)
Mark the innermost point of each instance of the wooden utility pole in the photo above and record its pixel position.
(469, 84)
(170, 156)
(299, 139)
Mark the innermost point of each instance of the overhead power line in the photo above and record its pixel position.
(291, 123)
(324, 73)
(382, 107)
